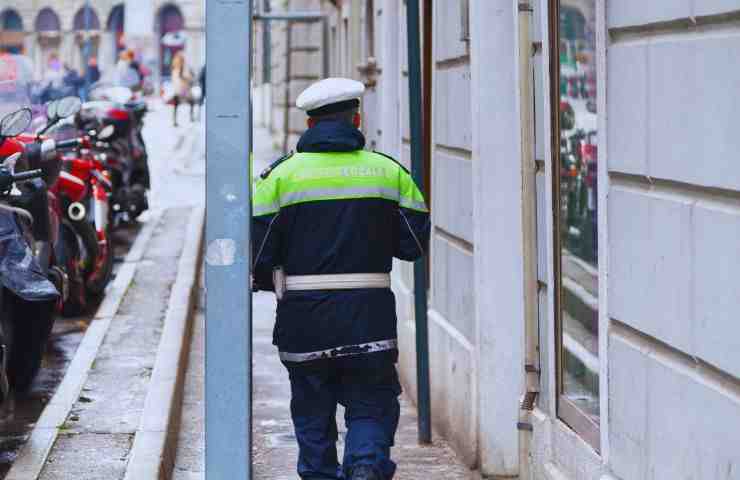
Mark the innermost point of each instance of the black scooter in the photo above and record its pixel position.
(27, 297)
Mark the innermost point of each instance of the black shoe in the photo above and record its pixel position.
(363, 472)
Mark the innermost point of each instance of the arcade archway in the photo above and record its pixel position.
(11, 31)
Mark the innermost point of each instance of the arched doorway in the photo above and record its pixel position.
(115, 28)
(11, 31)
(170, 24)
(86, 25)
(48, 36)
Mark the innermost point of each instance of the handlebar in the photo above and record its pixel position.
(29, 175)
(71, 143)
(7, 178)
(82, 142)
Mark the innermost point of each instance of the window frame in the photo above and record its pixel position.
(565, 410)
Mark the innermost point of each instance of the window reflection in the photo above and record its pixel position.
(578, 216)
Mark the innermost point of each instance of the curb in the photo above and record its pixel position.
(153, 452)
(31, 459)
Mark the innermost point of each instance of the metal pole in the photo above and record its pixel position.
(420, 267)
(325, 43)
(228, 234)
(266, 47)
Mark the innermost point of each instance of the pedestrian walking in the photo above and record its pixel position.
(202, 85)
(126, 74)
(182, 79)
(327, 222)
(92, 75)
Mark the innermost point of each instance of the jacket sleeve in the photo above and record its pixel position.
(414, 224)
(265, 233)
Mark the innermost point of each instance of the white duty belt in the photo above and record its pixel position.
(340, 281)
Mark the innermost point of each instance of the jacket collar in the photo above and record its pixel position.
(331, 136)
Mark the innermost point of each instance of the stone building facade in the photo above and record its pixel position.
(40, 29)
(585, 207)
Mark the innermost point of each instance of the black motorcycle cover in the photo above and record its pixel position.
(20, 272)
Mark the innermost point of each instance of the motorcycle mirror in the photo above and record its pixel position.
(107, 132)
(51, 109)
(15, 123)
(68, 106)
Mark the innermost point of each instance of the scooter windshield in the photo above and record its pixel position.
(20, 272)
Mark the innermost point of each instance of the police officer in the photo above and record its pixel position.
(328, 221)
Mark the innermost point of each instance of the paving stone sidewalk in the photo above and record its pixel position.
(96, 439)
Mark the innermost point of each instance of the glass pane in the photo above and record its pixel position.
(578, 206)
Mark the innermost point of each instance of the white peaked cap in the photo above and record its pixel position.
(329, 91)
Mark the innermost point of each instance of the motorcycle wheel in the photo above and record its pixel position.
(29, 340)
(98, 271)
(6, 346)
(138, 202)
(75, 265)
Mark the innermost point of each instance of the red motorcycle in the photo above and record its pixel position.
(114, 105)
(86, 188)
(75, 242)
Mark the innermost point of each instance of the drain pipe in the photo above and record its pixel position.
(423, 394)
(529, 225)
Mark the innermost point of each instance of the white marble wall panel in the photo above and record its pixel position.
(447, 30)
(672, 110)
(625, 13)
(453, 194)
(672, 272)
(665, 420)
(452, 286)
(713, 7)
(306, 64)
(452, 108)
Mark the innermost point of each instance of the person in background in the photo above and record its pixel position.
(202, 81)
(136, 66)
(126, 74)
(182, 80)
(92, 75)
(72, 81)
(54, 74)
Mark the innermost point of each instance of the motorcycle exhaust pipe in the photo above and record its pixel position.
(76, 211)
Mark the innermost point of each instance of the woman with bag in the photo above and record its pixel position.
(182, 80)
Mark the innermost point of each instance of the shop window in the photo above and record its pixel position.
(11, 31)
(575, 194)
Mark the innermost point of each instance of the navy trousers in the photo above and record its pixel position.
(367, 387)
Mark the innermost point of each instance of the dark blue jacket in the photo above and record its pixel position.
(317, 231)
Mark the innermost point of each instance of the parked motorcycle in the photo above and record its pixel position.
(87, 189)
(27, 296)
(74, 241)
(114, 105)
(82, 190)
